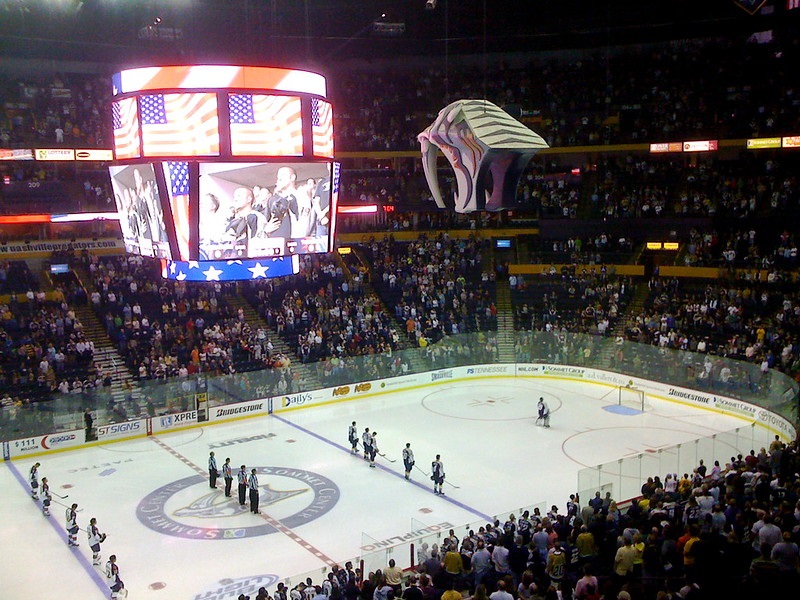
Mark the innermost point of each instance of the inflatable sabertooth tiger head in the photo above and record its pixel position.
(488, 150)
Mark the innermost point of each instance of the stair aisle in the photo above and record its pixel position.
(506, 336)
(307, 376)
(606, 355)
(416, 361)
(106, 356)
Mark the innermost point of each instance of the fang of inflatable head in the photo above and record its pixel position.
(483, 144)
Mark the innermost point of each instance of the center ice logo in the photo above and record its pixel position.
(188, 509)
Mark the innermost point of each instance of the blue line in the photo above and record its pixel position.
(84, 562)
(384, 468)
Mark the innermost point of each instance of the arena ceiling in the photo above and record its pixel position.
(322, 33)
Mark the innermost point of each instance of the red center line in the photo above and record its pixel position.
(272, 521)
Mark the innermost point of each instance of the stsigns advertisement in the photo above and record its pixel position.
(122, 430)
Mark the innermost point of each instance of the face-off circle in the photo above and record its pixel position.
(488, 402)
(188, 509)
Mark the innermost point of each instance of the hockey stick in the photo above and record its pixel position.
(65, 505)
(387, 458)
(60, 496)
(421, 471)
(458, 487)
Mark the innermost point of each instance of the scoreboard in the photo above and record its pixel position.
(226, 164)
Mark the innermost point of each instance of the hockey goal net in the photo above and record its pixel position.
(630, 396)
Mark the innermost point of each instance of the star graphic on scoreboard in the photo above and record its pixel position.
(258, 271)
(212, 274)
(172, 267)
(180, 276)
(234, 262)
(193, 264)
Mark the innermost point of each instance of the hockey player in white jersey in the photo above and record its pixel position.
(46, 497)
(72, 524)
(114, 582)
(96, 537)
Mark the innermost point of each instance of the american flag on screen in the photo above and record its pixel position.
(126, 128)
(322, 128)
(177, 174)
(265, 125)
(180, 124)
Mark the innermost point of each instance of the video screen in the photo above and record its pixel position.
(230, 270)
(322, 128)
(264, 210)
(180, 124)
(265, 125)
(141, 215)
(125, 124)
(176, 174)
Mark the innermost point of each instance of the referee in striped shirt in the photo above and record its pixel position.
(242, 478)
(252, 483)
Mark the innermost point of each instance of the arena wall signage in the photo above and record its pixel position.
(752, 413)
(233, 411)
(126, 429)
(172, 421)
(51, 441)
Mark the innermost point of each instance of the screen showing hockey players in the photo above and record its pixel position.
(141, 216)
(264, 210)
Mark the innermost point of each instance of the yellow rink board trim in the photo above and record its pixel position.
(407, 388)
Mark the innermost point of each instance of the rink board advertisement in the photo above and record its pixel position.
(232, 411)
(122, 430)
(166, 422)
(42, 443)
(751, 413)
(723, 404)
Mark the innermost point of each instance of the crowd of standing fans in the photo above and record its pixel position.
(643, 94)
(726, 530)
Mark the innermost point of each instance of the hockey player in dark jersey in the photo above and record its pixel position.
(352, 436)
(408, 459)
(437, 475)
(33, 478)
(366, 441)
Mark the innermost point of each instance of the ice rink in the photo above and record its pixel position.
(176, 538)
